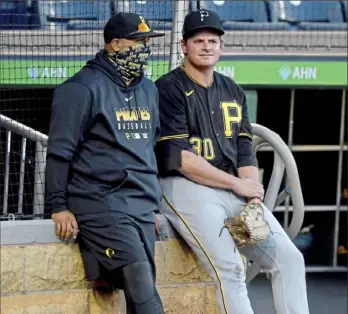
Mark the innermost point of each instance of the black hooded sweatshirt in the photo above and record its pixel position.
(100, 153)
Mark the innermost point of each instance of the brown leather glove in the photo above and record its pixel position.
(248, 228)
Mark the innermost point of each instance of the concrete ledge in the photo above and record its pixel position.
(41, 274)
(49, 278)
(21, 232)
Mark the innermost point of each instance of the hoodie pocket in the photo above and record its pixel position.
(114, 195)
(121, 183)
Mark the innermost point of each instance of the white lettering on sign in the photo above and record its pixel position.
(305, 73)
(148, 72)
(228, 70)
(47, 72)
(298, 73)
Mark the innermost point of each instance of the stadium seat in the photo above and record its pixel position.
(14, 14)
(61, 15)
(243, 15)
(158, 13)
(309, 15)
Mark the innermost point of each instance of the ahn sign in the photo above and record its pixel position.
(47, 72)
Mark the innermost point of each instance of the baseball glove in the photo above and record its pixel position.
(248, 228)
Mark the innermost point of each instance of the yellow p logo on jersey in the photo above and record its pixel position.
(109, 253)
(232, 114)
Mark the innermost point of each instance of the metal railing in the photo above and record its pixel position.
(40, 140)
(283, 161)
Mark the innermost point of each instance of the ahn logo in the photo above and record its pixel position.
(298, 73)
(36, 72)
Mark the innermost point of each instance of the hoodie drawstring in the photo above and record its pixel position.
(135, 100)
(128, 100)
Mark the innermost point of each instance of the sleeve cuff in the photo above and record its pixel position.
(246, 153)
(169, 154)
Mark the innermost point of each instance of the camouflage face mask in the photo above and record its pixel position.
(131, 62)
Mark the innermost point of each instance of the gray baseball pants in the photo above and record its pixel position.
(197, 212)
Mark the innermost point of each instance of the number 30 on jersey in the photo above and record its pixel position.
(203, 147)
(232, 114)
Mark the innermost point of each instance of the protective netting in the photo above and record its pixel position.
(42, 43)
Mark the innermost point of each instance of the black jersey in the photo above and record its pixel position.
(211, 121)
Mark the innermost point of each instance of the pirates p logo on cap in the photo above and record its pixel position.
(203, 15)
(143, 27)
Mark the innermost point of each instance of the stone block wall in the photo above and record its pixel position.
(40, 278)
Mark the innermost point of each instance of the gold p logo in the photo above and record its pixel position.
(143, 27)
(109, 252)
(232, 114)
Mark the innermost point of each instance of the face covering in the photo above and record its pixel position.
(131, 62)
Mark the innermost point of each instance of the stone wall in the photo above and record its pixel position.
(42, 275)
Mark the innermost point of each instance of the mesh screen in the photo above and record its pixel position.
(42, 43)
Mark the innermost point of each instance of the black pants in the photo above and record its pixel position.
(140, 290)
(124, 248)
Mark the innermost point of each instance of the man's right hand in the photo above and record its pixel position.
(248, 188)
(66, 225)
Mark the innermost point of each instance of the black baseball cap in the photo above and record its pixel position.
(127, 25)
(201, 19)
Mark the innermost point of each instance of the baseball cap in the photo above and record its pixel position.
(127, 25)
(201, 19)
